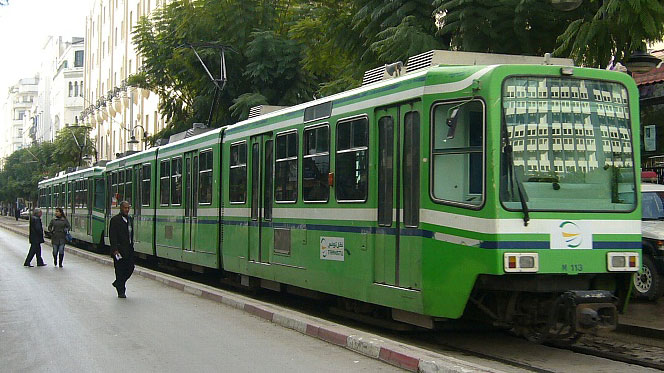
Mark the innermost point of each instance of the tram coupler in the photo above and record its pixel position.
(590, 310)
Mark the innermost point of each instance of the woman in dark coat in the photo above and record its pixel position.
(58, 227)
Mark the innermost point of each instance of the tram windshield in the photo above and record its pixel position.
(570, 145)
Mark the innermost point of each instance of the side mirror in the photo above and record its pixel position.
(452, 123)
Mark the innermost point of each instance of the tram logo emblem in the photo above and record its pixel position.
(571, 235)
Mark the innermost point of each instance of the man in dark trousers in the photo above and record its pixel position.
(121, 235)
(36, 237)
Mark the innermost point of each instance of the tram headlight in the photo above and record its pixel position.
(618, 261)
(623, 262)
(521, 262)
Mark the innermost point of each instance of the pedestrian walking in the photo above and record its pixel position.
(36, 237)
(59, 226)
(17, 213)
(121, 235)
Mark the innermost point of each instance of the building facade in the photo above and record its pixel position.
(20, 98)
(113, 110)
(60, 98)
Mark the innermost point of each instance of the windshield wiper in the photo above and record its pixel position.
(511, 173)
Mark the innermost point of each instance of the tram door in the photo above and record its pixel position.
(190, 201)
(398, 245)
(261, 234)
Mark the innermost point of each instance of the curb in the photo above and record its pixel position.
(410, 358)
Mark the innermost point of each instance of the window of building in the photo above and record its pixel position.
(285, 167)
(164, 182)
(352, 160)
(238, 173)
(78, 58)
(316, 164)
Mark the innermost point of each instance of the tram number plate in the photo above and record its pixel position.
(572, 268)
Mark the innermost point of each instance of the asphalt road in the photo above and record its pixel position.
(70, 320)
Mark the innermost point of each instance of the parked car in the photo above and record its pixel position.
(649, 282)
(25, 214)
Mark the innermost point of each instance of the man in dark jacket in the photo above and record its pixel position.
(36, 239)
(121, 235)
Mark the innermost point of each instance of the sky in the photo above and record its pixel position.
(24, 28)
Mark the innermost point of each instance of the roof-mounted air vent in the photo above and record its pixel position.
(196, 128)
(441, 57)
(420, 61)
(259, 110)
(388, 71)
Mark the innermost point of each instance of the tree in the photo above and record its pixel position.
(24, 168)
(528, 27)
(612, 29)
(263, 64)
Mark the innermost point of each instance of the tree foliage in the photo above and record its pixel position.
(612, 29)
(24, 168)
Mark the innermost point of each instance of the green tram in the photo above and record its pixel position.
(497, 187)
(130, 179)
(81, 194)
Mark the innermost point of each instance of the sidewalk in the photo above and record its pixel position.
(410, 358)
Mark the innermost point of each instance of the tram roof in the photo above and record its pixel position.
(88, 171)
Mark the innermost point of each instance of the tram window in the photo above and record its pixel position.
(84, 194)
(145, 188)
(114, 189)
(77, 194)
(352, 160)
(139, 185)
(285, 168)
(121, 186)
(255, 179)
(457, 169)
(99, 194)
(316, 164)
(269, 180)
(238, 173)
(385, 171)
(411, 169)
(176, 181)
(205, 177)
(72, 194)
(195, 187)
(129, 195)
(164, 182)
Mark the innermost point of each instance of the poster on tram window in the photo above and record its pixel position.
(649, 137)
(332, 248)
